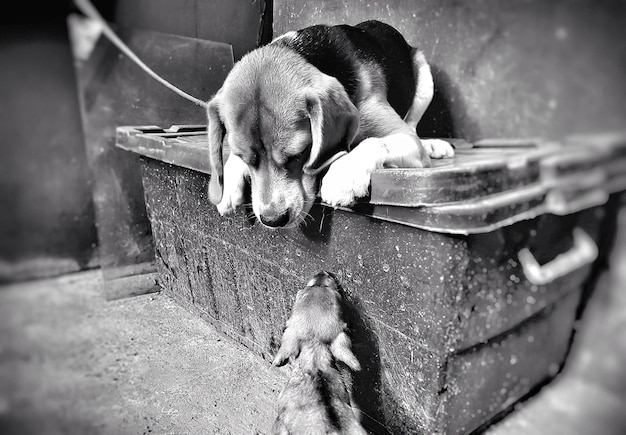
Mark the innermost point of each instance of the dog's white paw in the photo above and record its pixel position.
(235, 173)
(229, 203)
(348, 178)
(438, 148)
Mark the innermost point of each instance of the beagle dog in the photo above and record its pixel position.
(318, 396)
(289, 108)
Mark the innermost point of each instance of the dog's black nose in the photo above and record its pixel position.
(275, 221)
(322, 278)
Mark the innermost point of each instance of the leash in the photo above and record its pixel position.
(90, 11)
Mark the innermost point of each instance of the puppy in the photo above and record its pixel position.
(317, 398)
(288, 109)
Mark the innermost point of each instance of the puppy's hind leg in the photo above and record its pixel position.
(236, 174)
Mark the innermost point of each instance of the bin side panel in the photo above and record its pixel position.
(488, 379)
(496, 295)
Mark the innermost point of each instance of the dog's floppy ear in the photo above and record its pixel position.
(340, 348)
(334, 120)
(289, 348)
(216, 133)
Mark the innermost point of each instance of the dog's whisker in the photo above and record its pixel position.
(304, 216)
(304, 220)
(293, 224)
(300, 219)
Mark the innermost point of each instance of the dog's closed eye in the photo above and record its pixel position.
(297, 160)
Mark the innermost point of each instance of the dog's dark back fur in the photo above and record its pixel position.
(332, 49)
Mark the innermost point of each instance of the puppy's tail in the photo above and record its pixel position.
(424, 89)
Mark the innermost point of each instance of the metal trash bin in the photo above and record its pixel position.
(463, 280)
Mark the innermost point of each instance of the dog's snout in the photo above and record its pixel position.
(275, 221)
(322, 278)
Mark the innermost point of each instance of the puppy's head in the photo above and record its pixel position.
(316, 318)
(284, 118)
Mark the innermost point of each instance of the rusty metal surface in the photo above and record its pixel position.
(425, 307)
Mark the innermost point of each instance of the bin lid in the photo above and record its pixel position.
(489, 184)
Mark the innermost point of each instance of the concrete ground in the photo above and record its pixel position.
(73, 363)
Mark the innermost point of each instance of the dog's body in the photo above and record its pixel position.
(288, 107)
(317, 398)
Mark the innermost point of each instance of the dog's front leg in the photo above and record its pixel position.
(349, 177)
(236, 175)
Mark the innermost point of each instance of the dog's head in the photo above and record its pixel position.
(283, 117)
(316, 318)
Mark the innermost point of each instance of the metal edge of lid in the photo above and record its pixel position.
(519, 166)
(478, 215)
(158, 143)
(570, 179)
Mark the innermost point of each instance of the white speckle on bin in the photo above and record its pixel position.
(561, 33)
(553, 369)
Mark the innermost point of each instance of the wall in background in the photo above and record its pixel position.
(46, 223)
(235, 22)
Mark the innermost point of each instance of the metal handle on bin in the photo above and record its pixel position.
(583, 252)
